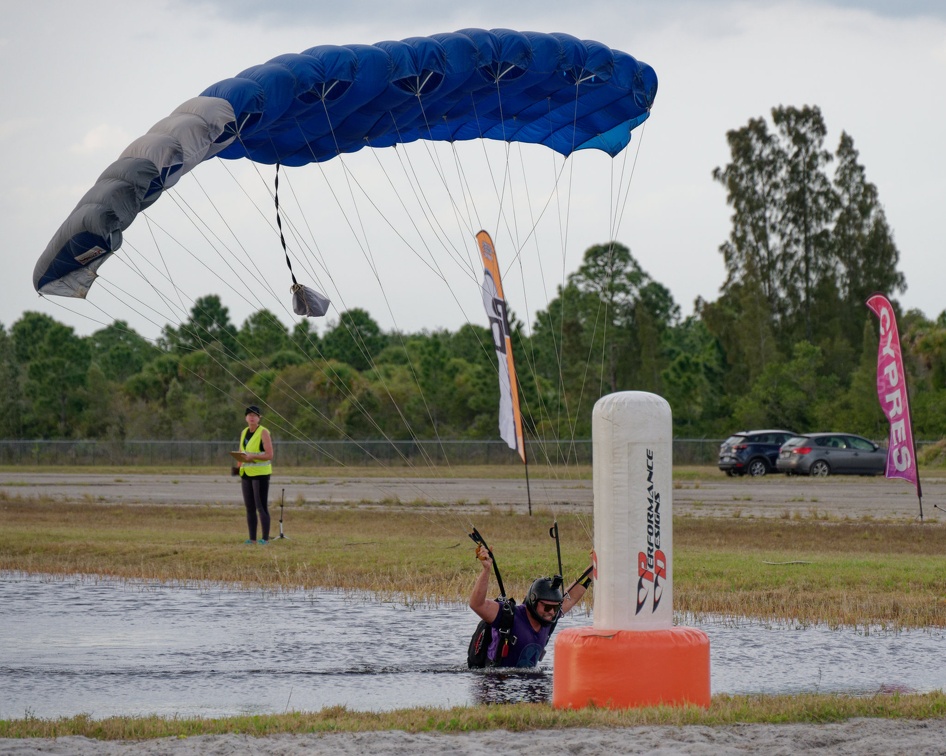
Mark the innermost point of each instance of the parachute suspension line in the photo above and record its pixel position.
(410, 176)
(301, 240)
(464, 182)
(360, 343)
(434, 155)
(413, 181)
(554, 194)
(130, 331)
(619, 214)
(460, 254)
(563, 215)
(288, 428)
(441, 173)
(499, 192)
(167, 275)
(598, 318)
(201, 227)
(362, 241)
(190, 216)
(557, 174)
(82, 315)
(253, 293)
(502, 119)
(278, 229)
(357, 337)
(197, 336)
(129, 262)
(282, 236)
(124, 300)
(167, 271)
(501, 195)
(472, 211)
(567, 171)
(351, 179)
(537, 414)
(514, 235)
(199, 222)
(465, 211)
(542, 410)
(114, 320)
(301, 401)
(266, 218)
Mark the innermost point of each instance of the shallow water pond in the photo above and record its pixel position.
(101, 647)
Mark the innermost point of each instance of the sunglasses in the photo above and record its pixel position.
(545, 606)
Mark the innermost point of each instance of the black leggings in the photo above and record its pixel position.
(255, 499)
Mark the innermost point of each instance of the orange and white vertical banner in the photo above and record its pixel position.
(510, 417)
(893, 397)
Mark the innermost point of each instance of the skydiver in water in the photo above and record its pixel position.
(532, 621)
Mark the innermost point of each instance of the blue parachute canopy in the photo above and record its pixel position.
(549, 89)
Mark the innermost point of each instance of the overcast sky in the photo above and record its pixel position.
(83, 79)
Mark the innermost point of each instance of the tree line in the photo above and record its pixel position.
(788, 343)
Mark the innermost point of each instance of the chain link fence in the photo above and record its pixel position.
(686, 451)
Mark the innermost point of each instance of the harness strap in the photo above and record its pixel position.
(506, 619)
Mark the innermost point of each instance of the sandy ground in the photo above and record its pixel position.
(858, 736)
(770, 496)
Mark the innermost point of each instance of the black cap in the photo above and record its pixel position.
(252, 409)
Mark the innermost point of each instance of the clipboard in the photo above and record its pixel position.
(239, 456)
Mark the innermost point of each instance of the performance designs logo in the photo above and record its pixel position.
(651, 564)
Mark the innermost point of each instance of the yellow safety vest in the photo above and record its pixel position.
(254, 446)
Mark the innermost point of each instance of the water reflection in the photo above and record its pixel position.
(103, 648)
(498, 686)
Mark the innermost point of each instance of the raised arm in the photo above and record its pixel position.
(577, 590)
(479, 602)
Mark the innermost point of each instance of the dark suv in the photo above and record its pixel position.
(753, 452)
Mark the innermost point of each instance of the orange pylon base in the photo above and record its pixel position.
(626, 669)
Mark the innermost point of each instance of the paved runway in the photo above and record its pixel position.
(771, 496)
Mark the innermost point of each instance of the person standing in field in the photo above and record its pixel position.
(255, 472)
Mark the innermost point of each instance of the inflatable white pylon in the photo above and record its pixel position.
(633, 656)
(633, 495)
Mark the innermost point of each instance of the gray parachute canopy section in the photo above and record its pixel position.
(197, 130)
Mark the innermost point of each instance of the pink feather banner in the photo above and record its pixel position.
(893, 396)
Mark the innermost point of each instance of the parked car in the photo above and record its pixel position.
(820, 454)
(753, 452)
